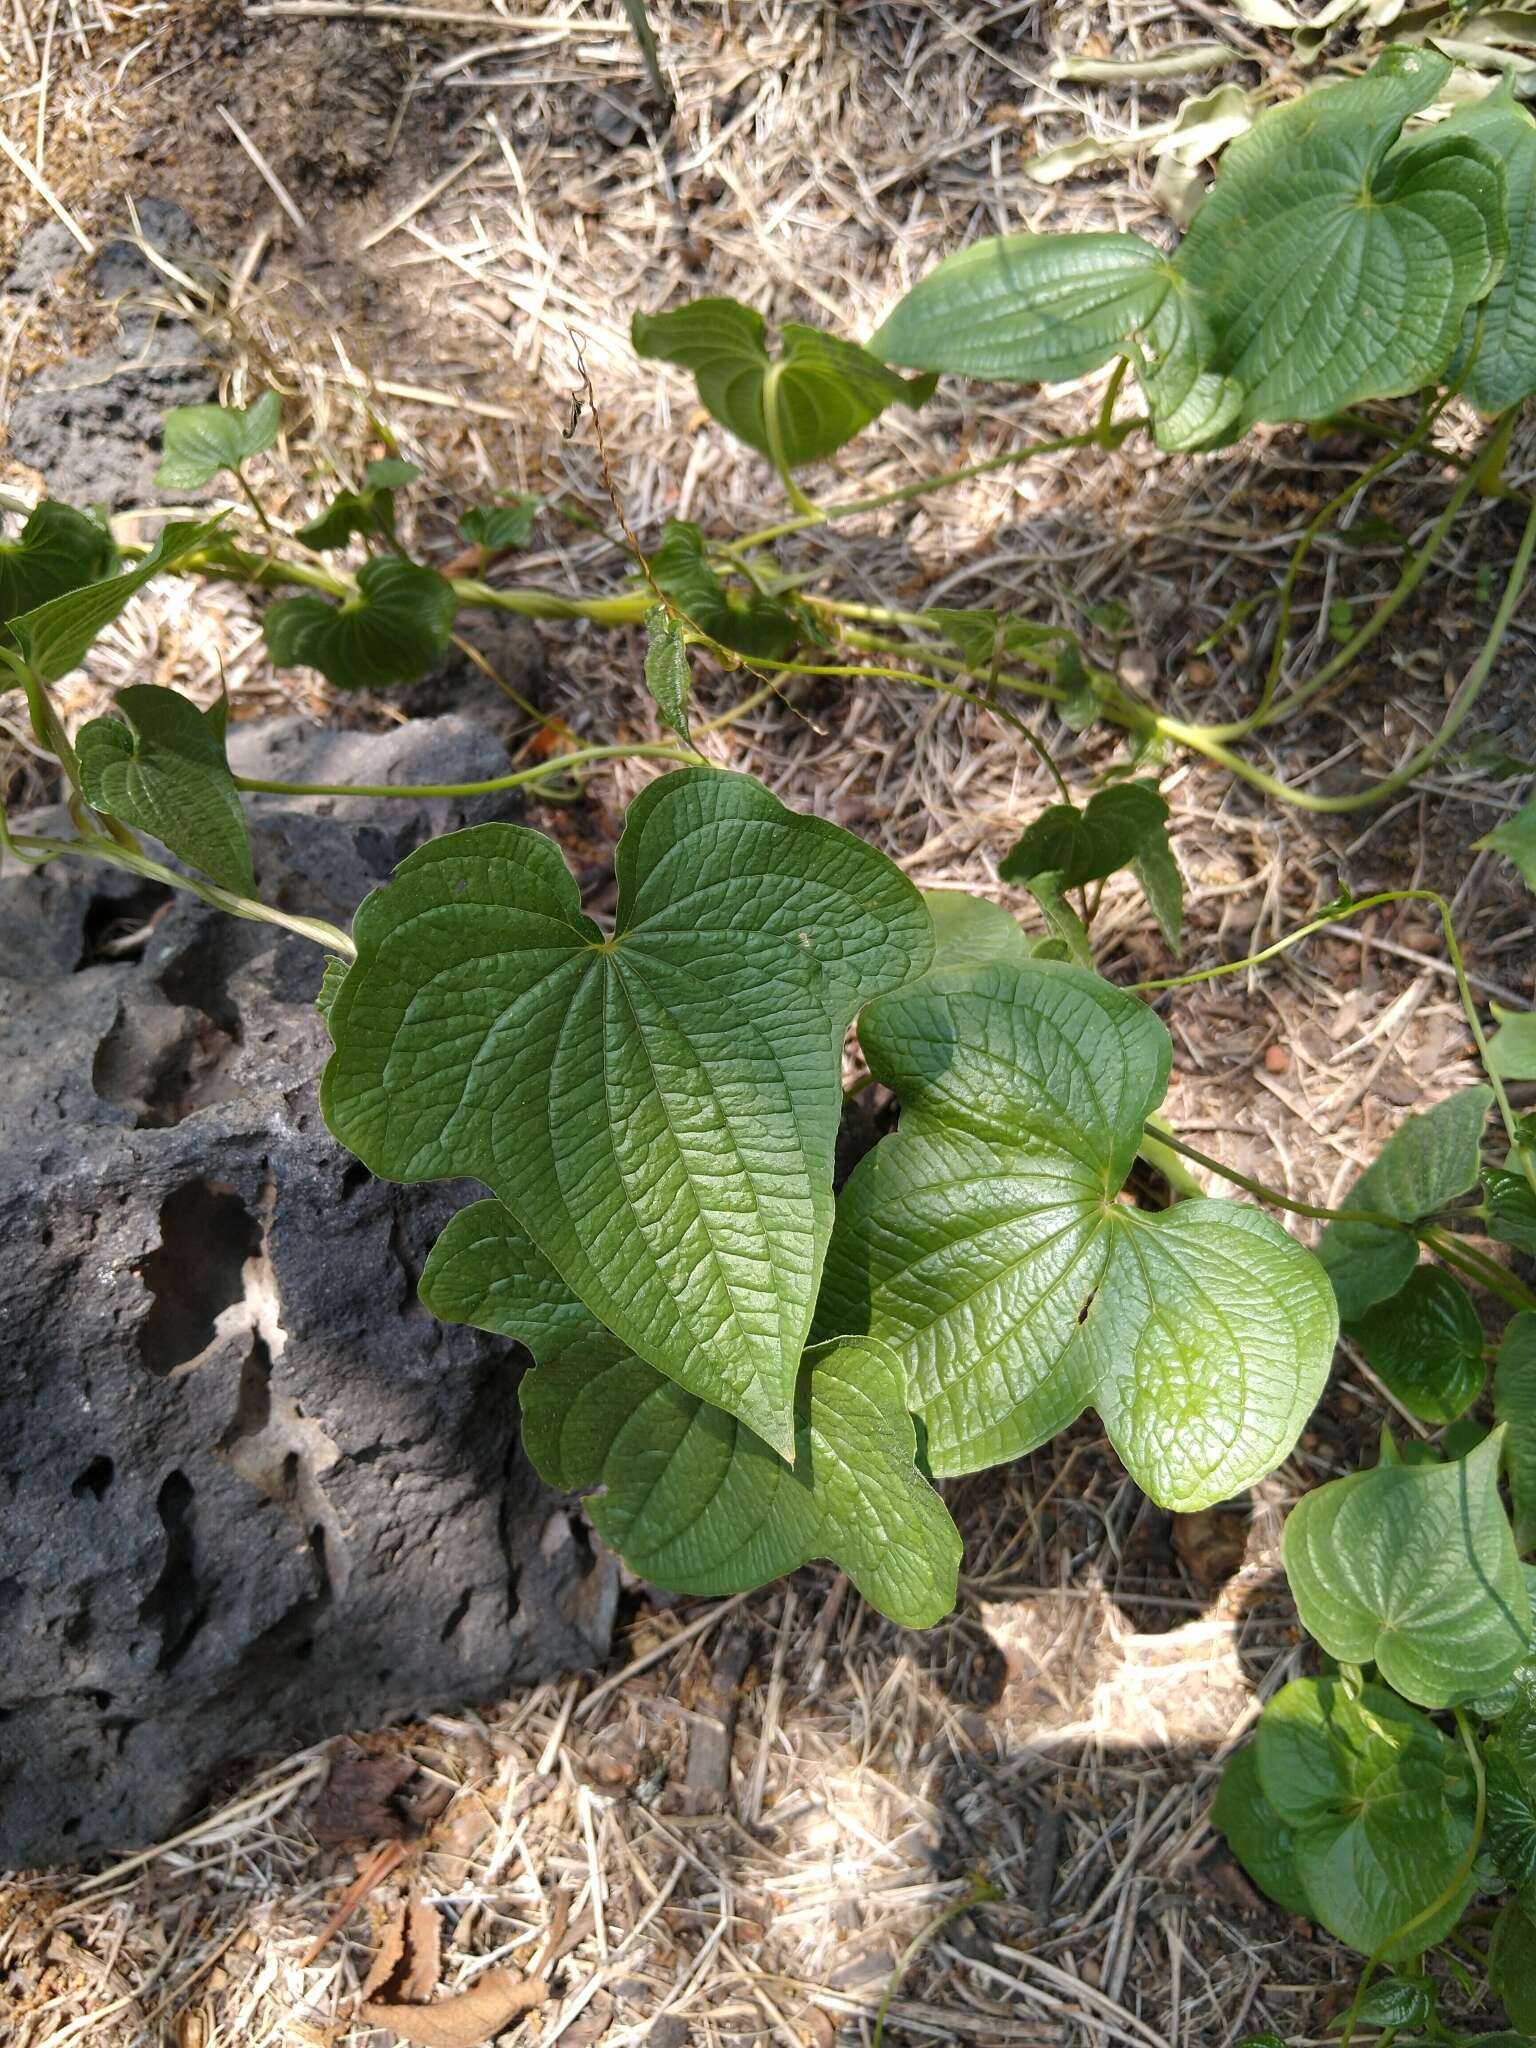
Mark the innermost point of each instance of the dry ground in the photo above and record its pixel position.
(480, 200)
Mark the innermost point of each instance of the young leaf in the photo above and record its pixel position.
(56, 637)
(1380, 1805)
(692, 1499)
(161, 766)
(1512, 1964)
(370, 511)
(498, 528)
(1397, 2002)
(1503, 372)
(1067, 930)
(1426, 1343)
(1045, 308)
(658, 1108)
(756, 626)
(1414, 1568)
(1516, 840)
(984, 1242)
(1430, 1159)
(57, 550)
(1255, 1833)
(1124, 826)
(200, 440)
(666, 669)
(1316, 225)
(1511, 1204)
(395, 629)
(819, 393)
(1514, 1403)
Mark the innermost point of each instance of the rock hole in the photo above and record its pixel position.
(70, 1826)
(355, 1177)
(172, 1606)
(195, 1272)
(160, 1061)
(117, 924)
(95, 1479)
(460, 1609)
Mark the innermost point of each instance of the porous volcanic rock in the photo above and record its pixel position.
(254, 1494)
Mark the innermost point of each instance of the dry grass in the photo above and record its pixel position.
(498, 199)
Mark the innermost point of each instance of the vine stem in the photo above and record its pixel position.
(1442, 1899)
(1471, 688)
(979, 1893)
(36, 850)
(1162, 1136)
(579, 757)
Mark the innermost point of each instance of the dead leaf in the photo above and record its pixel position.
(1212, 1544)
(589, 2027)
(406, 1969)
(466, 2020)
(375, 1798)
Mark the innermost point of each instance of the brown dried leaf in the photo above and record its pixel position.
(406, 1969)
(375, 1798)
(466, 2020)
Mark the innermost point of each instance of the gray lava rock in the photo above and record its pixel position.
(92, 426)
(254, 1494)
(121, 266)
(47, 253)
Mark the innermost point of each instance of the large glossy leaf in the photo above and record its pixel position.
(1333, 269)
(970, 931)
(1414, 1568)
(1428, 1161)
(57, 550)
(692, 1499)
(1503, 372)
(1257, 1836)
(1512, 1048)
(819, 392)
(657, 1108)
(1514, 1402)
(754, 626)
(396, 628)
(1380, 1806)
(57, 635)
(160, 766)
(1426, 1343)
(1511, 1764)
(1511, 1203)
(1045, 308)
(985, 1242)
(200, 440)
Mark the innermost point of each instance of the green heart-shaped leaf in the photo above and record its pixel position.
(755, 626)
(1512, 1048)
(1414, 1568)
(692, 1499)
(498, 528)
(985, 1242)
(1380, 1806)
(1429, 1160)
(1397, 2002)
(58, 550)
(658, 1108)
(395, 629)
(161, 767)
(1426, 1343)
(1256, 1835)
(200, 440)
(1124, 826)
(1332, 268)
(817, 395)
(370, 511)
(1046, 308)
(1503, 372)
(969, 931)
(1512, 1964)
(1516, 840)
(56, 637)
(1514, 1403)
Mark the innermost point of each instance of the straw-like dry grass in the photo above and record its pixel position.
(483, 204)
